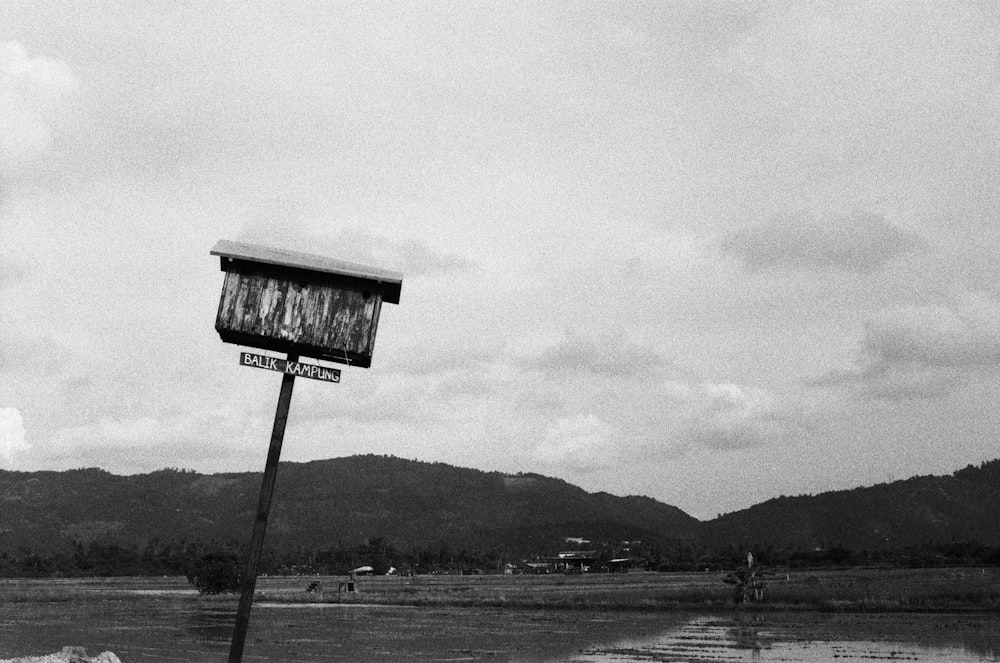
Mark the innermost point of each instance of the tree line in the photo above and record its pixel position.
(178, 558)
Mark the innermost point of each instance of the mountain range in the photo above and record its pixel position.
(343, 501)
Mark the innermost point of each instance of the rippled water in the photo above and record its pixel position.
(172, 625)
(812, 639)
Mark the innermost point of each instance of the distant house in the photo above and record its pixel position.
(619, 565)
(574, 561)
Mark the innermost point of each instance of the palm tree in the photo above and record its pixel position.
(748, 585)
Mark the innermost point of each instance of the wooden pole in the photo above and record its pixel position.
(249, 580)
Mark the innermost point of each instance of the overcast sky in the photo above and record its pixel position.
(707, 252)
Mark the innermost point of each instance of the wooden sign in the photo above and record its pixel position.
(299, 304)
(291, 302)
(295, 368)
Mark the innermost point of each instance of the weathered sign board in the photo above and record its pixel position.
(292, 302)
(295, 368)
(298, 304)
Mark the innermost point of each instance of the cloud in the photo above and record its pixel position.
(963, 334)
(655, 426)
(137, 431)
(858, 243)
(728, 416)
(580, 441)
(609, 355)
(416, 258)
(437, 360)
(412, 257)
(638, 394)
(12, 433)
(851, 86)
(41, 355)
(32, 92)
(146, 443)
(575, 405)
(884, 381)
(924, 351)
(12, 272)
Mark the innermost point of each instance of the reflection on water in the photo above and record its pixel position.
(167, 631)
(812, 639)
(167, 627)
(748, 635)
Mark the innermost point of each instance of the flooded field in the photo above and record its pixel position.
(144, 620)
(812, 638)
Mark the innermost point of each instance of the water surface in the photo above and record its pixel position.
(147, 624)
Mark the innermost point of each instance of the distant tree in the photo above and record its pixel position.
(215, 573)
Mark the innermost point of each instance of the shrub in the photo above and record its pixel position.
(215, 573)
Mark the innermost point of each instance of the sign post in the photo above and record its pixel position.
(298, 304)
(248, 583)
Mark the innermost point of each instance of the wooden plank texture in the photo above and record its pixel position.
(333, 318)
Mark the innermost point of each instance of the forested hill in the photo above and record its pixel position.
(324, 504)
(409, 504)
(962, 507)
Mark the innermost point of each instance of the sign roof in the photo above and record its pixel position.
(392, 281)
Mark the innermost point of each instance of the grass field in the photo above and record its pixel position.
(873, 590)
(849, 589)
